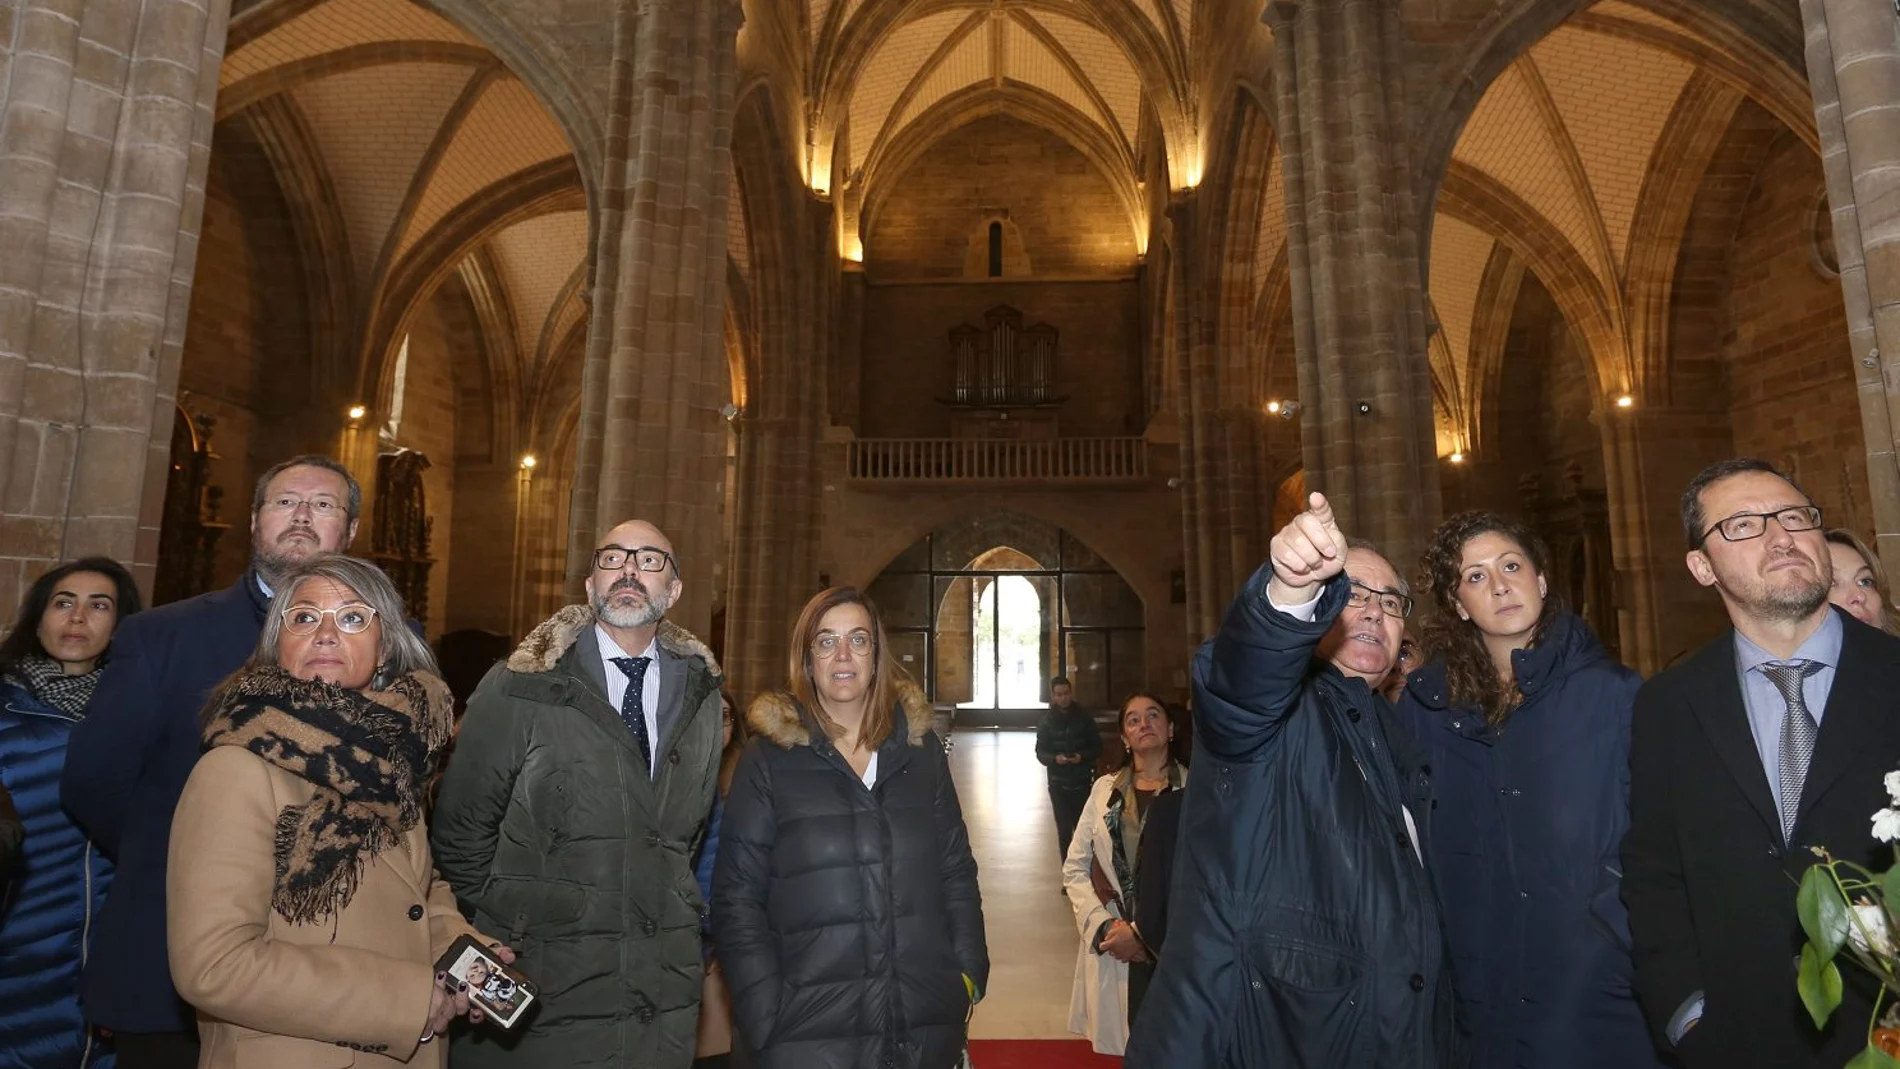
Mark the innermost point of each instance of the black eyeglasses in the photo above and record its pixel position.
(1391, 602)
(1744, 526)
(645, 558)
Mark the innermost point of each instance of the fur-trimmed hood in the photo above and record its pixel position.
(547, 643)
(776, 715)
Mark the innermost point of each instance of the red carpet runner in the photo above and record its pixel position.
(1038, 1054)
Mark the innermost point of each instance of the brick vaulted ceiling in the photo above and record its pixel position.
(1568, 144)
(429, 149)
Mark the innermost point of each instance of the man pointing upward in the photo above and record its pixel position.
(1305, 931)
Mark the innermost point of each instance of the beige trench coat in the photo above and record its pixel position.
(351, 991)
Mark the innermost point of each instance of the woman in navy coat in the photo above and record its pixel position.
(1528, 724)
(49, 664)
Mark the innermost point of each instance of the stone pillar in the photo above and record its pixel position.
(651, 441)
(1353, 243)
(105, 135)
(775, 532)
(1853, 49)
(1649, 456)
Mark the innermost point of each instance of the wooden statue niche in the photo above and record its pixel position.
(189, 531)
(399, 541)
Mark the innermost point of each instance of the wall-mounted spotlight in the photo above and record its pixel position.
(1364, 408)
(729, 411)
(357, 412)
(528, 462)
(1456, 458)
(1283, 409)
(1625, 401)
(1174, 482)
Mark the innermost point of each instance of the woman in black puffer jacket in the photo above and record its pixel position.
(845, 905)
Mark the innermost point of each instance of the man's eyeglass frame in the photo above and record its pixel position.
(1807, 512)
(633, 555)
(1356, 600)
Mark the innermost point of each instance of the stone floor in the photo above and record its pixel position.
(1031, 929)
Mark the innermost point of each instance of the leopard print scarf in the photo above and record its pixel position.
(369, 754)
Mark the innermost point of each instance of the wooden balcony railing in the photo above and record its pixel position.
(1070, 460)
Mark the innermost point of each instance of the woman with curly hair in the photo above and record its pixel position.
(1528, 721)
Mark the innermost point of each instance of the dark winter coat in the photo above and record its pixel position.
(556, 840)
(126, 765)
(1065, 731)
(47, 918)
(1303, 928)
(846, 917)
(1526, 836)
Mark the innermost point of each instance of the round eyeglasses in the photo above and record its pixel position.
(645, 558)
(351, 619)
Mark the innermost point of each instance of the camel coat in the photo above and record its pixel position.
(351, 991)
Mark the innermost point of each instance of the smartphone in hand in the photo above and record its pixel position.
(499, 991)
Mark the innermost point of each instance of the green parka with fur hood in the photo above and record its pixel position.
(556, 839)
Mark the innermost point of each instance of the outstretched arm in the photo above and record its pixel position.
(1247, 678)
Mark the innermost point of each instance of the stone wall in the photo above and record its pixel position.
(907, 363)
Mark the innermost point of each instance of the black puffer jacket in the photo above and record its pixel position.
(846, 917)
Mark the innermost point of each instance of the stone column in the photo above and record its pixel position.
(1853, 49)
(651, 441)
(1353, 243)
(105, 135)
(1649, 454)
(796, 276)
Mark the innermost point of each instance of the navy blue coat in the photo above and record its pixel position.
(125, 768)
(1526, 831)
(48, 916)
(1303, 927)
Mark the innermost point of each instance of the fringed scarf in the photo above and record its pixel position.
(368, 753)
(47, 681)
(1123, 820)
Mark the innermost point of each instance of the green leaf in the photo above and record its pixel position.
(1823, 913)
(1890, 885)
(1872, 1058)
(1820, 985)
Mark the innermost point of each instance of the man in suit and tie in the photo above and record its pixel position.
(580, 786)
(1770, 740)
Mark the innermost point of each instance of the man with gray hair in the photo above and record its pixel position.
(129, 758)
(568, 818)
(1304, 929)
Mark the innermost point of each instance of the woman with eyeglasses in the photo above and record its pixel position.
(49, 664)
(303, 909)
(845, 903)
(1528, 724)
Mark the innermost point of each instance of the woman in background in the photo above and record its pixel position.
(49, 664)
(1860, 585)
(714, 1045)
(1112, 965)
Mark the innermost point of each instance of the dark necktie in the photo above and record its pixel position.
(633, 709)
(1798, 730)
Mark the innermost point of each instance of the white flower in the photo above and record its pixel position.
(1870, 919)
(1893, 787)
(1887, 825)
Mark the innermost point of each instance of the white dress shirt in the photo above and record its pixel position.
(649, 689)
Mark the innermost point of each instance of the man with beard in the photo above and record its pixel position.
(1768, 742)
(1303, 927)
(568, 818)
(129, 758)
